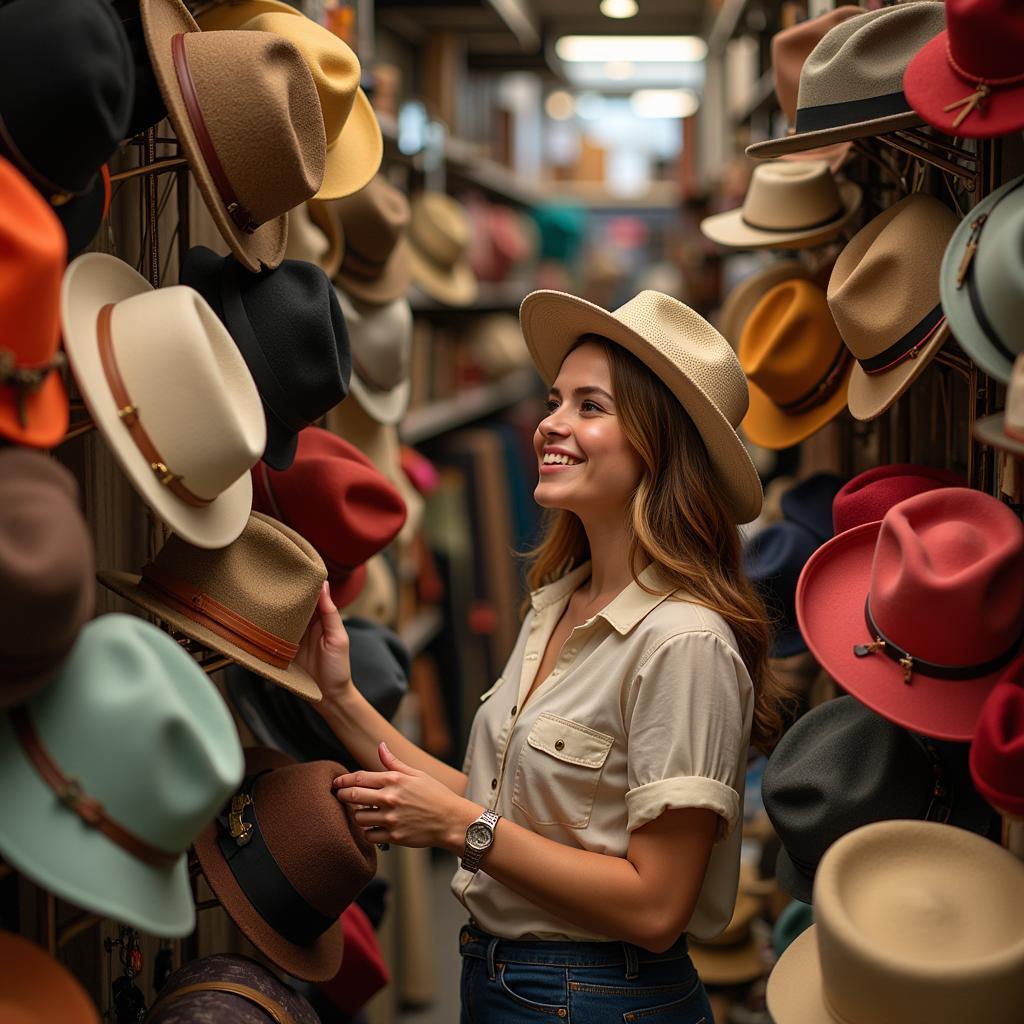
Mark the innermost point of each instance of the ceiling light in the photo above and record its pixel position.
(559, 106)
(619, 70)
(590, 105)
(664, 103)
(683, 49)
(619, 8)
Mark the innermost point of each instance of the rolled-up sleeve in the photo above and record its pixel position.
(688, 717)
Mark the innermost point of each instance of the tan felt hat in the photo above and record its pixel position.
(439, 249)
(323, 215)
(734, 956)
(308, 240)
(354, 142)
(851, 85)
(742, 299)
(170, 393)
(884, 296)
(693, 360)
(787, 206)
(496, 343)
(251, 601)
(1005, 429)
(915, 921)
(245, 109)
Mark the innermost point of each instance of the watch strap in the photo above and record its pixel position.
(471, 857)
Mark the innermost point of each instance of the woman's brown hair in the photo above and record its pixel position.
(678, 518)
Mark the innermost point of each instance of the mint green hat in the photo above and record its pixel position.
(110, 773)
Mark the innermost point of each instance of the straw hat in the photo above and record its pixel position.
(997, 749)
(249, 120)
(439, 249)
(851, 85)
(309, 240)
(354, 142)
(693, 360)
(884, 295)
(914, 921)
(742, 299)
(798, 369)
(196, 424)
(35, 988)
(251, 601)
(787, 206)
(1005, 429)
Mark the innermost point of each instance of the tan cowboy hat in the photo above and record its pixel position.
(787, 206)
(354, 142)
(734, 957)
(244, 107)
(884, 296)
(496, 343)
(914, 921)
(169, 391)
(742, 299)
(693, 360)
(251, 600)
(439, 249)
(309, 241)
(1005, 429)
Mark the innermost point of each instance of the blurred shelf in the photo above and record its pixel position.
(419, 632)
(594, 195)
(472, 404)
(491, 298)
(762, 98)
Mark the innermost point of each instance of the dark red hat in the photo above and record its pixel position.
(338, 500)
(997, 751)
(867, 497)
(969, 79)
(917, 616)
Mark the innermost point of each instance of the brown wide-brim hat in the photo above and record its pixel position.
(742, 299)
(728, 965)
(317, 962)
(325, 217)
(391, 283)
(454, 286)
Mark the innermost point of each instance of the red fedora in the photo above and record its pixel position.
(867, 497)
(997, 751)
(917, 616)
(969, 79)
(338, 500)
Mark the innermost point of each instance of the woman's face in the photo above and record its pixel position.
(586, 464)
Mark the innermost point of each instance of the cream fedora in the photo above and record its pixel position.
(884, 296)
(354, 142)
(915, 922)
(787, 206)
(851, 85)
(693, 360)
(439, 249)
(1005, 429)
(742, 299)
(170, 392)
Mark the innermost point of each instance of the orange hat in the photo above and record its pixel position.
(35, 987)
(33, 252)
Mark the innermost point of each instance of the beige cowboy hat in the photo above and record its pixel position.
(244, 107)
(1005, 429)
(915, 921)
(439, 234)
(693, 360)
(311, 241)
(787, 206)
(742, 299)
(495, 341)
(169, 391)
(884, 296)
(354, 142)
(251, 600)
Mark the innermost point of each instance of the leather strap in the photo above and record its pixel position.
(825, 388)
(273, 1009)
(129, 414)
(906, 347)
(70, 793)
(226, 623)
(238, 213)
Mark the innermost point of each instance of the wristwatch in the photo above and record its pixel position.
(479, 837)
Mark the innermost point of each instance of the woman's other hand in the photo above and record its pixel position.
(323, 650)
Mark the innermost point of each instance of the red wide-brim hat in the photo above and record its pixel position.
(997, 750)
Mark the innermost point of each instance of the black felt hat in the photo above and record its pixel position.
(842, 766)
(291, 332)
(148, 107)
(67, 86)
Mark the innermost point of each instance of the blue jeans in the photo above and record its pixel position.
(508, 981)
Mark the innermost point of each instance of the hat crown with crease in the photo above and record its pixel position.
(786, 196)
(439, 229)
(381, 339)
(997, 750)
(375, 219)
(869, 495)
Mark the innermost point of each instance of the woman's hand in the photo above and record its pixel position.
(405, 806)
(323, 650)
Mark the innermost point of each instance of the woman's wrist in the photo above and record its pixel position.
(334, 708)
(464, 814)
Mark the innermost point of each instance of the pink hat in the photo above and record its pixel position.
(997, 752)
(867, 497)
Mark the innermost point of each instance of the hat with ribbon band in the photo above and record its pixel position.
(869, 495)
(35, 988)
(439, 249)
(997, 750)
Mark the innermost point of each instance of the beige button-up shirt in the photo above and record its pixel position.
(648, 708)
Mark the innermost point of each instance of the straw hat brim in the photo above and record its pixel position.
(455, 286)
(91, 282)
(826, 136)
(391, 283)
(871, 394)
(355, 153)
(553, 322)
(742, 299)
(795, 987)
(729, 229)
(386, 407)
(294, 679)
(767, 425)
(830, 599)
(264, 247)
(330, 224)
(990, 430)
(317, 962)
(727, 965)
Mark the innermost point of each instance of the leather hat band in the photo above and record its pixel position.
(774, 229)
(129, 414)
(825, 388)
(206, 611)
(70, 793)
(906, 347)
(271, 1007)
(242, 218)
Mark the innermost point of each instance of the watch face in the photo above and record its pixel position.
(479, 836)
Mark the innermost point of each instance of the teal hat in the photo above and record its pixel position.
(795, 919)
(110, 773)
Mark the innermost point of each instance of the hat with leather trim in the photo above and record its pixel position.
(997, 750)
(869, 495)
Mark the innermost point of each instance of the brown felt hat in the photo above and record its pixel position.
(47, 587)
(251, 600)
(285, 858)
(246, 111)
(439, 235)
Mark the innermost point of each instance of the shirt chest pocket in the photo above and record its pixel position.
(559, 770)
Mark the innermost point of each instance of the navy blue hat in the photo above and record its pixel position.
(291, 332)
(809, 503)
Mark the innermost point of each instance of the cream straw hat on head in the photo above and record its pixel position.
(682, 349)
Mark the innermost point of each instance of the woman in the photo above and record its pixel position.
(598, 815)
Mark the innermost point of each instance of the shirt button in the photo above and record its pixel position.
(494, 783)
(559, 744)
(514, 710)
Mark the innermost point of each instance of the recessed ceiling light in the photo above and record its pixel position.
(602, 49)
(671, 103)
(619, 8)
(559, 105)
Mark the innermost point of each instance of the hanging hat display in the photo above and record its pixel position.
(997, 749)
(34, 987)
(497, 345)
(869, 495)
(742, 299)
(809, 503)
(378, 600)
(439, 249)
(309, 241)
(1005, 429)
